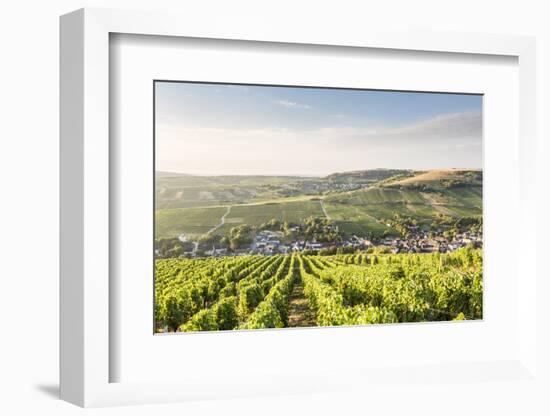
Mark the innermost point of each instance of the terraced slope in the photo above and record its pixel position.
(455, 193)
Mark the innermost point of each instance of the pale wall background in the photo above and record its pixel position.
(29, 183)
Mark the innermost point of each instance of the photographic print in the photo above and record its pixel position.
(294, 207)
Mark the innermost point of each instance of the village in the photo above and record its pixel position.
(268, 243)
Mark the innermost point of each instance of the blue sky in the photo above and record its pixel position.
(216, 129)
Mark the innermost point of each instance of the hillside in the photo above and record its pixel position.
(370, 175)
(424, 197)
(441, 178)
(360, 202)
(188, 191)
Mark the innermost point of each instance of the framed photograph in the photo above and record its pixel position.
(266, 217)
(270, 212)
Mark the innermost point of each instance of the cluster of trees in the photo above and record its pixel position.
(420, 187)
(212, 239)
(474, 224)
(404, 224)
(274, 225)
(431, 187)
(347, 250)
(171, 247)
(333, 250)
(321, 230)
(240, 236)
(466, 179)
(313, 228)
(450, 226)
(454, 226)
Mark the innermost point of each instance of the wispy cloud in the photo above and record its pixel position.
(468, 123)
(450, 140)
(292, 104)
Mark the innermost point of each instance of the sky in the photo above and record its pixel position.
(223, 129)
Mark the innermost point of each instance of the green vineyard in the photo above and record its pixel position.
(254, 292)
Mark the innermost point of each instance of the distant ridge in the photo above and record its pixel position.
(377, 174)
(373, 174)
(435, 175)
(160, 173)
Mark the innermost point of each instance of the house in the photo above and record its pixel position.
(283, 249)
(216, 252)
(314, 246)
(427, 248)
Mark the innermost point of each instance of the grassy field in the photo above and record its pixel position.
(256, 214)
(193, 191)
(197, 221)
(354, 219)
(284, 211)
(193, 222)
(380, 196)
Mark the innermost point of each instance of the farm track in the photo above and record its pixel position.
(324, 209)
(222, 221)
(300, 315)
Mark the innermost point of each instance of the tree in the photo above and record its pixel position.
(240, 236)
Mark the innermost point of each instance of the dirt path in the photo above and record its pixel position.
(300, 315)
(222, 221)
(324, 209)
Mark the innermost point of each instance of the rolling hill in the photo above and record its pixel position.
(423, 196)
(359, 202)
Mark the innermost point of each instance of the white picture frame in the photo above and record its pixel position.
(85, 211)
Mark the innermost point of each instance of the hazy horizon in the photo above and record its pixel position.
(312, 175)
(229, 130)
